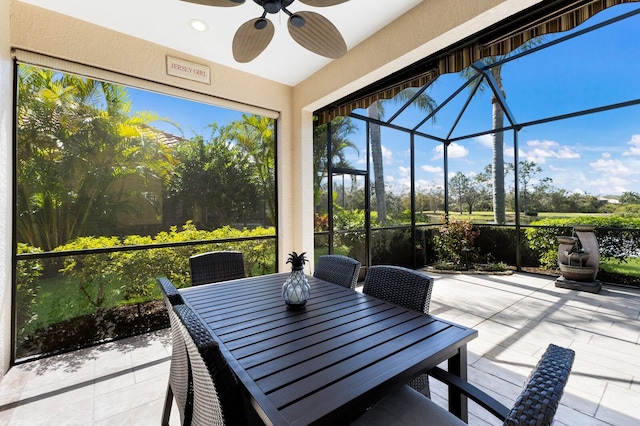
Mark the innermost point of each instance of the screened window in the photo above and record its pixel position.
(126, 184)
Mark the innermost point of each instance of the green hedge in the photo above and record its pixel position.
(618, 237)
(135, 271)
(498, 244)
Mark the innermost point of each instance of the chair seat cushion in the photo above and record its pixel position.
(406, 406)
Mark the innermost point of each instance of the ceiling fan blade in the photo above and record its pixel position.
(249, 42)
(322, 3)
(217, 3)
(318, 35)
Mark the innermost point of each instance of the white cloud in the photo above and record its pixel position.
(454, 151)
(387, 155)
(404, 184)
(611, 167)
(605, 175)
(431, 169)
(540, 150)
(566, 152)
(404, 171)
(485, 140)
(608, 184)
(544, 144)
(611, 176)
(457, 151)
(428, 185)
(635, 146)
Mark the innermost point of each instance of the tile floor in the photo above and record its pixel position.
(517, 316)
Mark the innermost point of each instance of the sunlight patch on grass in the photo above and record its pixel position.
(631, 267)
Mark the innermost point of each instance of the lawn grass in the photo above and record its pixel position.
(631, 267)
(60, 299)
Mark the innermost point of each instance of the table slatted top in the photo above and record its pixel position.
(327, 361)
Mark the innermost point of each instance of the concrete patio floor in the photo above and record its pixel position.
(517, 316)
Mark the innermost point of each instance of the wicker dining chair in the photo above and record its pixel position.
(216, 266)
(217, 398)
(338, 269)
(179, 385)
(405, 287)
(535, 406)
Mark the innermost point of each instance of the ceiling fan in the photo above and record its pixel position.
(311, 30)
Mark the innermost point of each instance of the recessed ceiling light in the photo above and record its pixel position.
(198, 25)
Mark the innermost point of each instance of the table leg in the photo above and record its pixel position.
(457, 401)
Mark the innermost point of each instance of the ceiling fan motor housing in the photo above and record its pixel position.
(273, 6)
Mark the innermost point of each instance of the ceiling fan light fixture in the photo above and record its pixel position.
(297, 21)
(260, 24)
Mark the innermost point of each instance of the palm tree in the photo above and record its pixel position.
(376, 111)
(497, 113)
(341, 128)
(255, 135)
(497, 159)
(77, 139)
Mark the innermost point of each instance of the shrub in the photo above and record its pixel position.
(346, 220)
(27, 273)
(93, 270)
(135, 271)
(455, 242)
(392, 247)
(500, 241)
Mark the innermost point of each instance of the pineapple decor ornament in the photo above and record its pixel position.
(296, 290)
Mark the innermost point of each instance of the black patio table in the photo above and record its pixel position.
(329, 361)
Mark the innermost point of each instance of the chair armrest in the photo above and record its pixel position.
(539, 399)
(480, 397)
(543, 389)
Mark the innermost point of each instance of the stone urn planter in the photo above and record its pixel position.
(577, 273)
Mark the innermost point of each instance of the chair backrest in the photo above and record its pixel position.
(216, 266)
(402, 286)
(179, 375)
(405, 287)
(217, 399)
(338, 269)
(540, 396)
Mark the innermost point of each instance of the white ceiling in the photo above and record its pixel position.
(166, 22)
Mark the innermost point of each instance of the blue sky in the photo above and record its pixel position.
(192, 117)
(596, 154)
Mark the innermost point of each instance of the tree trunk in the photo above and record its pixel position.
(497, 164)
(376, 156)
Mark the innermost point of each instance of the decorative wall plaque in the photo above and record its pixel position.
(188, 70)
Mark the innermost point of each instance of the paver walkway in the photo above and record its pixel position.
(518, 316)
